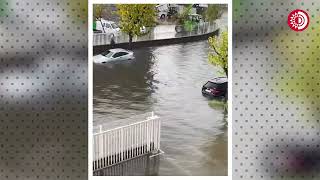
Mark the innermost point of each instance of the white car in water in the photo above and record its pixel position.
(111, 55)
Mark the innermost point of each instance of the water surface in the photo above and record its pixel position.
(168, 81)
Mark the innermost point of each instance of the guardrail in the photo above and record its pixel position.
(111, 147)
(155, 34)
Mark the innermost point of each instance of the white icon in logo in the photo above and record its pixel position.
(299, 20)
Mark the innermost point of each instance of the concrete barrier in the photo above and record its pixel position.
(160, 42)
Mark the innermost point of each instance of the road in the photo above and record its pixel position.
(168, 81)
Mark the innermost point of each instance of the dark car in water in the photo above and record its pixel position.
(217, 87)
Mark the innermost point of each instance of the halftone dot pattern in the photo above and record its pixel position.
(275, 91)
(43, 90)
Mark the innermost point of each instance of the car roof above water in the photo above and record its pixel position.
(219, 80)
(107, 21)
(118, 50)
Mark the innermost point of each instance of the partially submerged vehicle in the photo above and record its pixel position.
(112, 55)
(217, 87)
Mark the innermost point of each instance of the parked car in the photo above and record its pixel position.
(216, 87)
(108, 27)
(162, 10)
(111, 55)
(167, 11)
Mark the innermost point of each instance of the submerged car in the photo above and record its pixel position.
(111, 55)
(217, 87)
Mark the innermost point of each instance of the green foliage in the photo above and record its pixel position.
(219, 56)
(184, 15)
(218, 104)
(97, 11)
(135, 16)
(212, 13)
(189, 25)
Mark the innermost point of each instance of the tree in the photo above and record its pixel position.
(212, 13)
(184, 15)
(134, 16)
(97, 14)
(219, 57)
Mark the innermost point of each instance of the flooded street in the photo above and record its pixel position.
(168, 81)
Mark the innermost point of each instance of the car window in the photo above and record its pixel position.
(106, 25)
(114, 25)
(222, 86)
(212, 85)
(123, 53)
(107, 54)
(118, 54)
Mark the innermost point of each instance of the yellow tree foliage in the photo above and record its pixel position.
(97, 11)
(219, 46)
(134, 16)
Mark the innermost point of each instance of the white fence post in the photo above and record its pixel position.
(123, 143)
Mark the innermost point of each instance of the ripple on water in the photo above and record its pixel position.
(168, 80)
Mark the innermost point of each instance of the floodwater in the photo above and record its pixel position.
(168, 81)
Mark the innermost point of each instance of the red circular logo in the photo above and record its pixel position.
(298, 20)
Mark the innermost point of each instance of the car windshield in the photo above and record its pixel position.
(211, 85)
(114, 25)
(107, 54)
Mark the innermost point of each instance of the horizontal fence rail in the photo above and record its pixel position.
(135, 167)
(123, 143)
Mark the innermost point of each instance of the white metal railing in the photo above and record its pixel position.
(138, 166)
(123, 143)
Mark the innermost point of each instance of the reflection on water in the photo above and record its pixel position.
(143, 165)
(168, 81)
